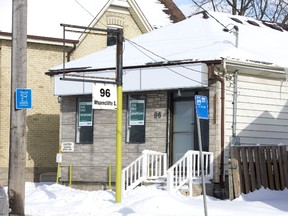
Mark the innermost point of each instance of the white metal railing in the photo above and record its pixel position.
(188, 168)
(150, 165)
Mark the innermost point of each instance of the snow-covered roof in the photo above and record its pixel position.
(199, 38)
(44, 17)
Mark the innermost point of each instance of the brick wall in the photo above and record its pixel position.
(215, 125)
(43, 119)
(93, 42)
(90, 161)
(5, 77)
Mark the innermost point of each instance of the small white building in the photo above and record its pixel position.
(239, 63)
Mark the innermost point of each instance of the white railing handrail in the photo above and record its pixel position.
(149, 165)
(153, 165)
(188, 168)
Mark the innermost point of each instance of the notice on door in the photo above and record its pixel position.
(137, 112)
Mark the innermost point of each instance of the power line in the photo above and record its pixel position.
(134, 44)
(137, 47)
(208, 13)
(84, 8)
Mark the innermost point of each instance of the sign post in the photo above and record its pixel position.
(201, 105)
(119, 81)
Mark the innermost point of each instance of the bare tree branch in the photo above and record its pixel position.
(269, 10)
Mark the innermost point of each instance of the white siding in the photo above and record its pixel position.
(262, 111)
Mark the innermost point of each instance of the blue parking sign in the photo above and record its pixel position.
(201, 104)
(23, 98)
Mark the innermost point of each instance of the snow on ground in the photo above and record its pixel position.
(54, 199)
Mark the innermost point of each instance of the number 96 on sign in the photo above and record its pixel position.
(104, 96)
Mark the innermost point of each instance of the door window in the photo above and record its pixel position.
(183, 128)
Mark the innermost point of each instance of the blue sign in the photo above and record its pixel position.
(23, 98)
(201, 104)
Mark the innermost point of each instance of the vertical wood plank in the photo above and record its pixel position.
(247, 186)
(230, 180)
(237, 157)
(263, 169)
(251, 168)
(236, 177)
(257, 168)
(285, 164)
(269, 168)
(275, 168)
(281, 168)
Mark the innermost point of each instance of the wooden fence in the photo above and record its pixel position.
(253, 167)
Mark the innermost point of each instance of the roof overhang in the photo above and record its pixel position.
(41, 40)
(252, 68)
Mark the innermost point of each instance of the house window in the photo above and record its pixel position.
(84, 126)
(111, 37)
(136, 113)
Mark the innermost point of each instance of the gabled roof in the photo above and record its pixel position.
(44, 17)
(199, 38)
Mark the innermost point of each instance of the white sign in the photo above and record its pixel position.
(67, 146)
(59, 158)
(104, 96)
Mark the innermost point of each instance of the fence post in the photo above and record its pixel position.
(230, 180)
(70, 175)
(235, 188)
(110, 177)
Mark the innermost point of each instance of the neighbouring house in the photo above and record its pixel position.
(45, 50)
(43, 119)
(239, 63)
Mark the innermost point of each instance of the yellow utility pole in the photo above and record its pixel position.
(119, 57)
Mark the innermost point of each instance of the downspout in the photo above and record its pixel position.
(69, 53)
(234, 103)
(221, 80)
